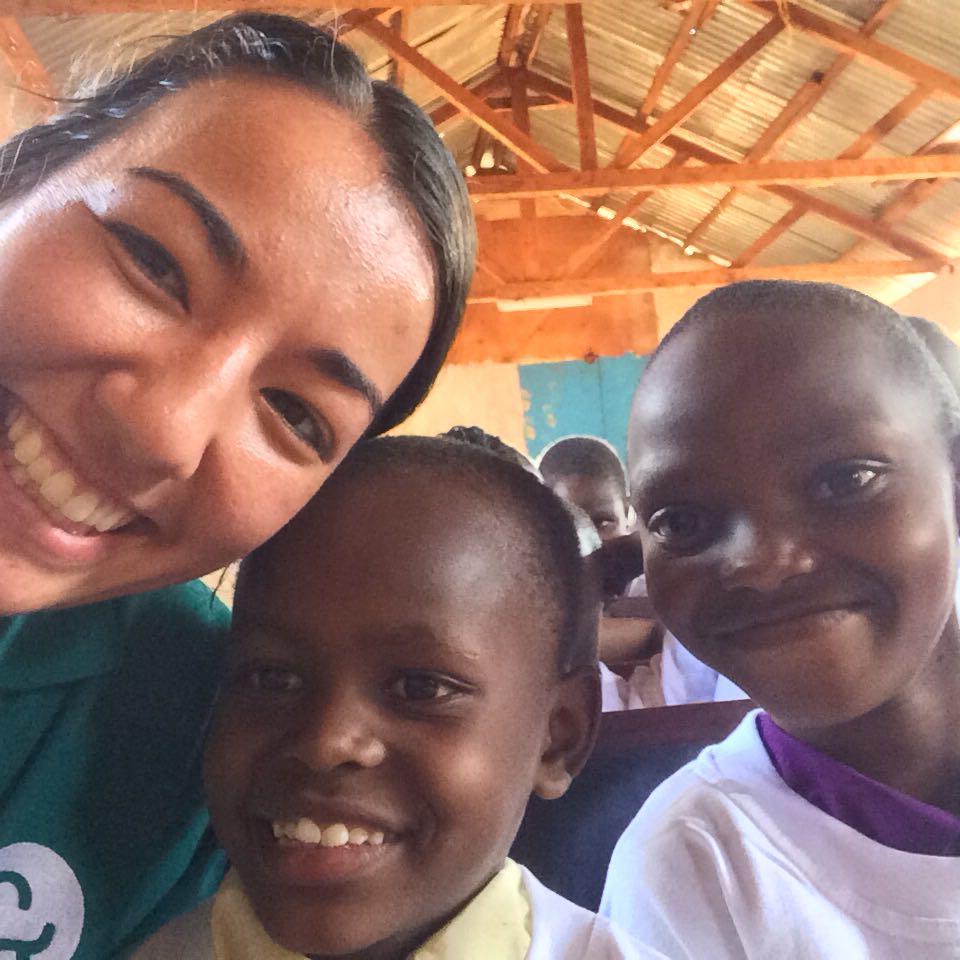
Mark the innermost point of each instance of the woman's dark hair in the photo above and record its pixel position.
(546, 537)
(418, 163)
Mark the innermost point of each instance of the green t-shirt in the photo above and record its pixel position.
(103, 831)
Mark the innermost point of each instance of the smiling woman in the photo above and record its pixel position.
(217, 273)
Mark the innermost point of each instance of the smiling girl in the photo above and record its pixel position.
(794, 461)
(412, 657)
(217, 272)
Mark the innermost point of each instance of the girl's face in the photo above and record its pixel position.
(198, 321)
(391, 700)
(796, 503)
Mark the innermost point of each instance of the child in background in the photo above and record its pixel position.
(797, 512)
(586, 471)
(413, 656)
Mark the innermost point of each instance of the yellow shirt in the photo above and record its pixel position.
(494, 925)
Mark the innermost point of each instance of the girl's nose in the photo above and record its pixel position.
(761, 555)
(163, 415)
(339, 732)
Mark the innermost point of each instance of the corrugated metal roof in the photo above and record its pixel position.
(626, 42)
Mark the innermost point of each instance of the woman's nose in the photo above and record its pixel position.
(762, 555)
(340, 731)
(163, 415)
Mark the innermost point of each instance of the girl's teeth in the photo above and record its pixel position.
(336, 835)
(308, 831)
(357, 835)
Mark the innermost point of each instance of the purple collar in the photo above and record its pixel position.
(871, 808)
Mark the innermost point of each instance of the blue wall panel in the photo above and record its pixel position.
(579, 398)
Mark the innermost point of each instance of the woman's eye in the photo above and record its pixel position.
(843, 481)
(677, 526)
(271, 680)
(424, 687)
(301, 421)
(153, 260)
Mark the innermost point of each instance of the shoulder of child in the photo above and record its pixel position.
(188, 937)
(565, 931)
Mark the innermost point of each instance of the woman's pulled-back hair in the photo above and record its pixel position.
(417, 162)
(545, 538)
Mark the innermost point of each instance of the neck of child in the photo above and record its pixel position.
(912, 741)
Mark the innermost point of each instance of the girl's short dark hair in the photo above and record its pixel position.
(417, 162)
(546, 536)
(776, 298)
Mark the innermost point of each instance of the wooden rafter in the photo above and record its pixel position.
(852, 41)
(580, 82)
(682, 109)
(590, 254)
(697, 152)
(699, 12)
(798, 107)
(24, 62)
(398, 23)
(782, 172)
(622, 285)
(484, 89)
(522, 144)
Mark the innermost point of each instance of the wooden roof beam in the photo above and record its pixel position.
(854, 42)
(522, 144)
(24, 62)
(798, 107)
(700, 11)
(398, 23)
(625, 284)
(695, 151)
(782, 172)
(682, 109)
(580, 82)
(484, 89)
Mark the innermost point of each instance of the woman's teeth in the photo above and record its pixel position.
(40, 470)
(326, 835)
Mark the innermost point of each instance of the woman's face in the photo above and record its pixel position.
(198, 321)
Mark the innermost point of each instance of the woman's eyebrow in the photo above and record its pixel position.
(226, 245)
(339, 367)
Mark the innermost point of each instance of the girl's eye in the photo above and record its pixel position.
(845, 480)
(153, 260)
(424, 687)
(678, 527)
(301, 421)
(271, 680)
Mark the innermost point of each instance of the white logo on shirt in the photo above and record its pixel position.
(41, 904)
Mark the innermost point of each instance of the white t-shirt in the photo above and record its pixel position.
(724, 860)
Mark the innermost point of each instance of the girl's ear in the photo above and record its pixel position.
(571, 732)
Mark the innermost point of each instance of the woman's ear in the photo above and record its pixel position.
(571, 732)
